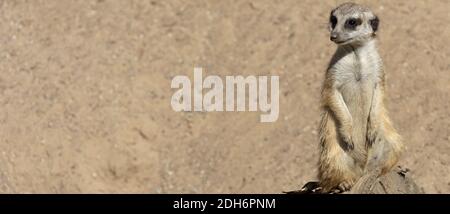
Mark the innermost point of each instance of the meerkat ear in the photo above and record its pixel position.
(374, 23)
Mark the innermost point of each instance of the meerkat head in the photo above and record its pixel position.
(351, 23)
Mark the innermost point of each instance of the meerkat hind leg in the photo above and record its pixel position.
(337, 169)
(378, 154)
(376, 157)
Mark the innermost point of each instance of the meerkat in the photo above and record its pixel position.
(357, 137)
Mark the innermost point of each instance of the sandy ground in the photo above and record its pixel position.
(85, 93)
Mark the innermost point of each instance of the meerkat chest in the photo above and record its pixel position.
(353, 72)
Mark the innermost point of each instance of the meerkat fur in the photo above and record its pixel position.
(357, 137)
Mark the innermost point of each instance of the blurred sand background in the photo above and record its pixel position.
(85, 93)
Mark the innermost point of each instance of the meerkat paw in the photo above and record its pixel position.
(346, 137)
(345, 186)
(371, 136)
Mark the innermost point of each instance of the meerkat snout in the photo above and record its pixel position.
(352, 24)
(333, 36)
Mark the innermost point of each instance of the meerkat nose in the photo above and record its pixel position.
(333, 36)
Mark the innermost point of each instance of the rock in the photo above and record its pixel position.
(395, 182)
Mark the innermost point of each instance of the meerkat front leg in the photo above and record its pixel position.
(335, 102)
(382, 139)
(373, 122)
(374, 136)
(384, 144)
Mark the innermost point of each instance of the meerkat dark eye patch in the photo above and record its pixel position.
(333, 21)
(374, 23)
(352, 23)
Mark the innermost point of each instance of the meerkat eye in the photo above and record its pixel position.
(352, 23)
(333, 21)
